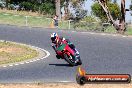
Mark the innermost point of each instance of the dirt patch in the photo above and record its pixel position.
(12, 49)
(11, 52)
(65, 85)
(3, 58)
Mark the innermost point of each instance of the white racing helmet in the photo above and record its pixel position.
(54, 37)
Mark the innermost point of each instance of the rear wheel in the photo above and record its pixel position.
(58, 56)
(69, 59)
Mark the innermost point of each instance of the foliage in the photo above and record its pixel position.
(2, 4)
(131, 8)
(76, 3)
(43, 6)
(99, 12)
(80, 13)
(115, 10)
(47, 8)
(87, 23)
(89, 19)
(27, 5)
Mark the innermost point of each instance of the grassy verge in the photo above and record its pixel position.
(21, 20)
(129, 30)
(24, 13)
(37, 20)
(11, 52)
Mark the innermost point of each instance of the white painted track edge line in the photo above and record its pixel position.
(26, 62)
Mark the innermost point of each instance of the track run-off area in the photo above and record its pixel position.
(100, 53)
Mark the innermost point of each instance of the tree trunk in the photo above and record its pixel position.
(6, 4)
(57, 4)
(120, 27)
(66, 10)
(122, 20)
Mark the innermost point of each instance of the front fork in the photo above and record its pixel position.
(54, 48)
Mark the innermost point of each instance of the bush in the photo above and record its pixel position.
(99, 12)
(44, 8)
(10, 6)
(47, 8)
(36, 7)
(2, 4)
(89, 19)
(88, 23)
(27, 5)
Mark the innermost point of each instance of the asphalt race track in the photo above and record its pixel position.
(99, 54)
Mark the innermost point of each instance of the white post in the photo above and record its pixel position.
(48, 21)
(69, 21)
(26, 20)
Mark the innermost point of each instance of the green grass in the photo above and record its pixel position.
(63, 24)
(129, 31)
(10, 19)
(110, 29)
(32, 21)
(9, 54)
(21, 20)
(40, 21)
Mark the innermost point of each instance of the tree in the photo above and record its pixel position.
(120, 27)
(65, 4)
(40, 6)
(131, 7)
(115, 1)
(57, 5)
(76, 4)
(7, 2)
(47, 8)
(99, 12)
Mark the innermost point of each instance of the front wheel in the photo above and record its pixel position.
(79, 62)
(69, 59)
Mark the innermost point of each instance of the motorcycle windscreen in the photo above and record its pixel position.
(61, 47)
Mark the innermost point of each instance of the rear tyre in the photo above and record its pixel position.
(68, 59)
(58, 56)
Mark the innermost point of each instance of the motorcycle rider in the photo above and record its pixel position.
(57, 41)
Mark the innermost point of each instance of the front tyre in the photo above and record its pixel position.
(79, 62)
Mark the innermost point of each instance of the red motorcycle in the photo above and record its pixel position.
(65, 52)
